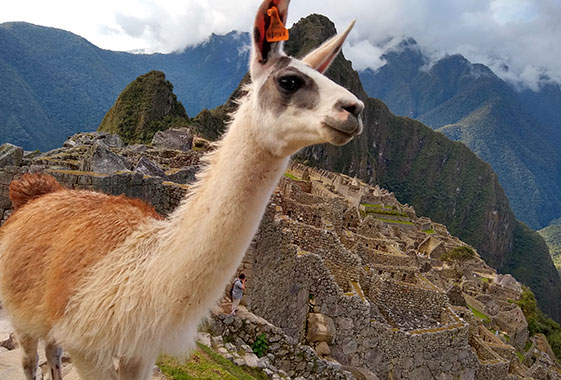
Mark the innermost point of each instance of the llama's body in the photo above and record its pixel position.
(105, 277)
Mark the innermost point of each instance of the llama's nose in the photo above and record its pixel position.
(354, 107)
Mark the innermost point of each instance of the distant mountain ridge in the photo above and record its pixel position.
(55, 83)
(518, 133)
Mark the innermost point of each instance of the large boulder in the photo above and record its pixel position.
(90, 138)
(321, 328)
(175, 139)
(100, 159)
(148, 167)
(183, 176)
(10, 155)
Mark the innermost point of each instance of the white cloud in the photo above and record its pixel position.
(522, 34)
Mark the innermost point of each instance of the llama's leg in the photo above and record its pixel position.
(136, 369)
(88, 369)
(29, 358)
(54, 356)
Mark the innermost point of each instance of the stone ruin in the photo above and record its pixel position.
(338, 266)
(374, 285)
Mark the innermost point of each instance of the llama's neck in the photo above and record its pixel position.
(210, 232)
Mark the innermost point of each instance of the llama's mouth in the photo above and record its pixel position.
(351, 126)
(338, 136)
(340, 132)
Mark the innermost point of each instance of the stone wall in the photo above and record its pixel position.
(284, 353)
(164, 196)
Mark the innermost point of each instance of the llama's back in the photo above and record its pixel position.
(52, 240)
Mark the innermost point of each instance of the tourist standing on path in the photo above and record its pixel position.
(237, 292)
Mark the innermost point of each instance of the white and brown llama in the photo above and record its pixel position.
(106, 278)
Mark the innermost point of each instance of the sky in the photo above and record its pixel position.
(519, 39)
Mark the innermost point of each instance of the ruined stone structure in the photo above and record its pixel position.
(341, 267)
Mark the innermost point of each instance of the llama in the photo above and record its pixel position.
(108, 279)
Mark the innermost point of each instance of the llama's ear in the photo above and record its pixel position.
(269, 31)
(323, 56)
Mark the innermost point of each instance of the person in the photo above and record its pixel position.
(237, 292)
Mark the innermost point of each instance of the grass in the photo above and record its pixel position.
(520, 356)
(430, 231)
(373, 210)
(291, 176)
(206, 364)
(395, 221)
(478, 314)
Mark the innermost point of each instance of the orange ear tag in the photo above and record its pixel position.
(276, 32)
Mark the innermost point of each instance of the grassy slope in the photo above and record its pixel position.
(206, 364)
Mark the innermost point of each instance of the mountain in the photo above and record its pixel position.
(552, 236)
(145, 106)
(516, 132)
(55, 83)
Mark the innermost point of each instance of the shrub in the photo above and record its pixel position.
(459, 254)
(260, 346)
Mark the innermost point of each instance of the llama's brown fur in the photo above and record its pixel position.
(56, 261)
(31, 186)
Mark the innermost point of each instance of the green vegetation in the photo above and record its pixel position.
(461, 253)
(520, 356)
(530, 263)
(538, 322)
(260, 346)
(146, 106)
(291, 176)
(206, 364)
(376, 210)
(552, 236)
(396, 221)
(478, 314)
(430, 231)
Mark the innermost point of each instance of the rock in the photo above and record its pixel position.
(204, 338)
(175, 139)
(349, 346)
(10, 155)
(157, 374)
(148, 167)
(320, 328)
(251, 360)
(322, 349)
(456, 296)
(108, 139)
(183, 176)
(362, 373)
(217, 342)
(100, 159)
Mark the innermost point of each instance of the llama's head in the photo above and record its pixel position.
(294, 104)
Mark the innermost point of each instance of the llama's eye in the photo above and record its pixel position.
(290, 83)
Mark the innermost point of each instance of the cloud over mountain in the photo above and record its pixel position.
(519, 39)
